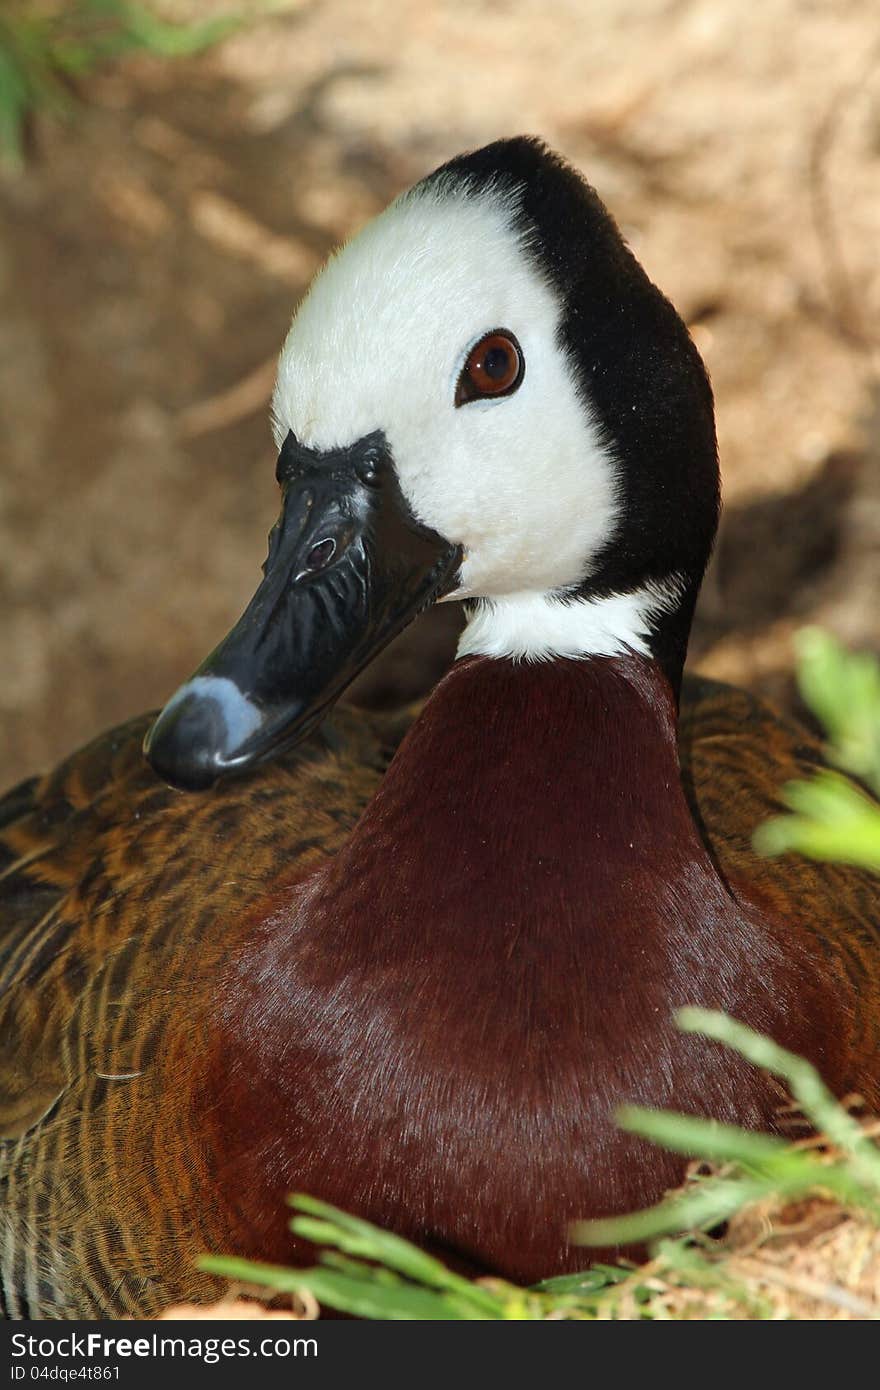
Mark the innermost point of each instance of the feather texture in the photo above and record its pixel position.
(126, 905)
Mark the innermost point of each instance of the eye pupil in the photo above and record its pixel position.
(494, 367)
(496, 363)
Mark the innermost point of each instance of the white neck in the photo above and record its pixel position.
(539, 627)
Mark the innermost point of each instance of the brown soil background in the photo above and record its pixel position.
(153, 251)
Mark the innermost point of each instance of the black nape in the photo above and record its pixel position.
(641, 377)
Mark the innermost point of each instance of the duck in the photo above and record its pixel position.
(412, 963)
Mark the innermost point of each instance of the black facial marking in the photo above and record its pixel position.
(639, 371)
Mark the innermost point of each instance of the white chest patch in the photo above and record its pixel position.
(538, 627)
(525, 483)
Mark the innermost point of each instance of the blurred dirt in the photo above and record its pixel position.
(152, 254)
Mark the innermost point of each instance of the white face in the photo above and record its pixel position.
(522, 482)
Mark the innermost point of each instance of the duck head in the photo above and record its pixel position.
(482, 397)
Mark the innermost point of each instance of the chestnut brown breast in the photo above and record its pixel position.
(436, 1029)
(209, 1002)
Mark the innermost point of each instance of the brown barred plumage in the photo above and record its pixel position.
(111, 886)
(121, 900)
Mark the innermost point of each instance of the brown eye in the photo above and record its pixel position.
(494, 367)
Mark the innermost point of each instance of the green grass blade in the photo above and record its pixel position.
(147, 31)
(699, 1138)
(843, 690)
(585, 1283)
(366, 1298)
(833, 820)
(706, 1205)
(326, 1225)
(362, 1297)
(802, 1079)
(278, 1278)
(42, 50)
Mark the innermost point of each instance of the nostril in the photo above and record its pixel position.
(321, 554)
